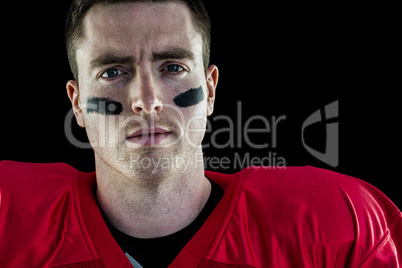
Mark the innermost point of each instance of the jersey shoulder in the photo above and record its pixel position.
(306, 216)
(315, 188)
(321, 207)
(28, 185)
(39, 205)
(34, 174)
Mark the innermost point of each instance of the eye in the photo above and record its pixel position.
(174, 68)
(111, 73)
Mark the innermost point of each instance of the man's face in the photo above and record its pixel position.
(143, 94)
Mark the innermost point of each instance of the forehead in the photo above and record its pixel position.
(139, 29)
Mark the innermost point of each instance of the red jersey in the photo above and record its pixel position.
(291, 217)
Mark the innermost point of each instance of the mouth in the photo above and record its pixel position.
(148, 136)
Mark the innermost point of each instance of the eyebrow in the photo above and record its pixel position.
(175, 53)
(107, 59)
(110, 58)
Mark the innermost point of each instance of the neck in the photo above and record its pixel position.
(150, 209)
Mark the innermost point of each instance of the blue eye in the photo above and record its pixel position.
(174, 68)
(111, 73)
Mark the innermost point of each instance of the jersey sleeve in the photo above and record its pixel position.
(388, 252)
(377, 222)
(377, 226)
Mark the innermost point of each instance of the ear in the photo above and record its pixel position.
(74, 96)
(212, 82)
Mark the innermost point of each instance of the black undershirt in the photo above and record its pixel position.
(160, 252)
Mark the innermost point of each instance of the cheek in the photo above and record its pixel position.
(195, 130)
(92, 128)
(195, 124)
(103, 131)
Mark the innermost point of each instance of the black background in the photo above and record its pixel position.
(277, 60)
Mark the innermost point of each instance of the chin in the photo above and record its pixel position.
(150, 166)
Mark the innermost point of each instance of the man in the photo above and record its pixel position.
(143, 90)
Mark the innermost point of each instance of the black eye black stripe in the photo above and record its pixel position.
(104, 106)
(190, 98)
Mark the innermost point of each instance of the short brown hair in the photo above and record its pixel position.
(79, 8)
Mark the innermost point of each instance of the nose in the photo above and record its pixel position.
(146, 98)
